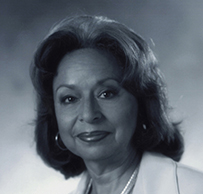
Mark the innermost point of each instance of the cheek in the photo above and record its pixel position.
(66, 129)
(65, 122)
(126, 119)
(65, 116)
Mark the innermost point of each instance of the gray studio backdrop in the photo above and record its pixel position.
(173, 28)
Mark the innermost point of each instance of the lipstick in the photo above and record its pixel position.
(92, 136)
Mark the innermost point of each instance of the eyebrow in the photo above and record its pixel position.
(100, 82)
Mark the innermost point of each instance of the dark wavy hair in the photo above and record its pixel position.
(141, 77)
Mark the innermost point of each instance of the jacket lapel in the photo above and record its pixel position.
(157, 175)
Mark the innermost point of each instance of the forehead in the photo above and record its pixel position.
(94, 62)
(87, 57)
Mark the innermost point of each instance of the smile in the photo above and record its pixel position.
(92, 136)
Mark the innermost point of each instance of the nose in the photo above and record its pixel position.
(90, 111)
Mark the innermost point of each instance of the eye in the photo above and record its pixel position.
(108, 94)
(68, 100)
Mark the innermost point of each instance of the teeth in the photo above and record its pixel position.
(94, 133)
(85, 134)
(92, 136)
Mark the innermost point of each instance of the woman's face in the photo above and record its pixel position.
(96, 116)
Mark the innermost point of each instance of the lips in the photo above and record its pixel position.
(92, 136)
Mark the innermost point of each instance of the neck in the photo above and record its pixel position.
(111, 176)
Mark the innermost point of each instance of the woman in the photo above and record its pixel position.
(102, 111)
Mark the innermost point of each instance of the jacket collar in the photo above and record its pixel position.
(157, 175)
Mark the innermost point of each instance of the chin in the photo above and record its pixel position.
(95, 154)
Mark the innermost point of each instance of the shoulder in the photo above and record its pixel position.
(186, 179)
(83, 180)
(190, 180)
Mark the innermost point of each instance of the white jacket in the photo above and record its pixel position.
(160, 175)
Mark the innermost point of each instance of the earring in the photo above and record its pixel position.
(144, 126)
(58, 144)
